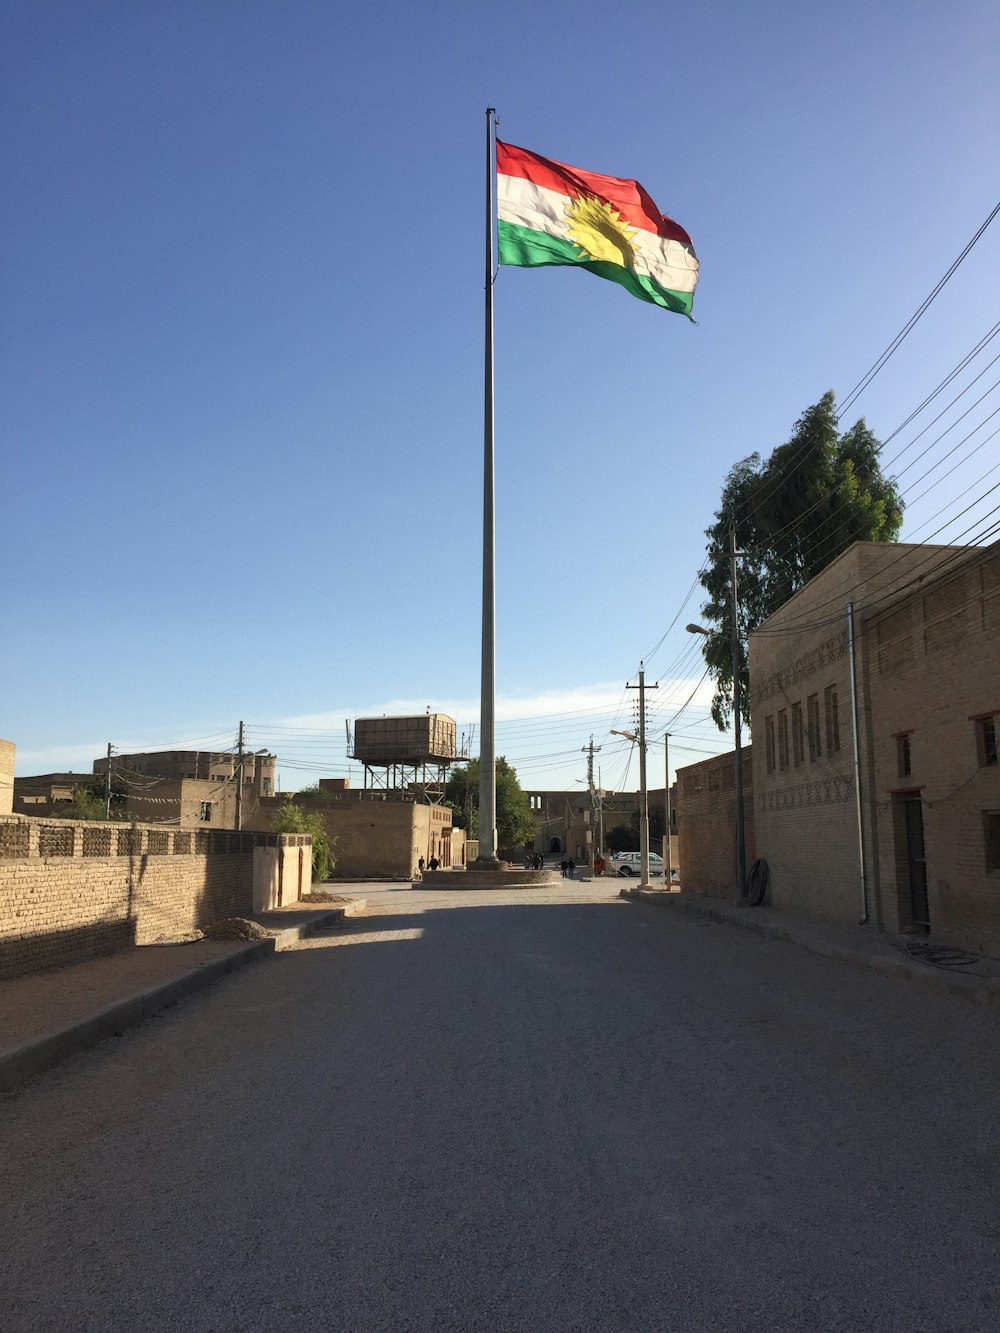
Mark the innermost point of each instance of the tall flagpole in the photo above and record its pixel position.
(487, 737)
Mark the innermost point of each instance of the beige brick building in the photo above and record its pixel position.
(377, 837)
(180, 802)
(832, 822)
(205, 765)
(933, 684)
(182, 788)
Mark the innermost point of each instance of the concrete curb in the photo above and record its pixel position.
(52, 1048)
(970, 989)
(284, 939)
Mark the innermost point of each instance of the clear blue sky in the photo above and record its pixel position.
(242, 344)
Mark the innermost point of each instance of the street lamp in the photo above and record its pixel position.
(741, 851)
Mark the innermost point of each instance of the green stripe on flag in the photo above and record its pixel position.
(526, 248)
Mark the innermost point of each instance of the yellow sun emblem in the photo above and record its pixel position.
(600, 231)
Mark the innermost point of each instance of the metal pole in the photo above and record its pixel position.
(600, 812)
(643, 795)
(857, 764)
(734, 644)
(666, 803)
(590, 750)
(487, 738)
(107, 785)
(239, 780)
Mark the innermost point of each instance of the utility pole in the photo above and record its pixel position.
(734, 643)
(107, 784)
(589, 751)
(239, 779)
(643, 794)
(666, 811)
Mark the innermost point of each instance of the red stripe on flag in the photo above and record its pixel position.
(627, 196)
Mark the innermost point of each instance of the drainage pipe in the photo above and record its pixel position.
(857, 762)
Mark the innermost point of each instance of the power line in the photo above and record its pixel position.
(911, 323)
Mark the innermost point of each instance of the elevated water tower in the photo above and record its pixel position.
(408, 757)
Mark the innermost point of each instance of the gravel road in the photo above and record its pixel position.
(550, 1110)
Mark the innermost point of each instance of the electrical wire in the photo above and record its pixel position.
(914, 319)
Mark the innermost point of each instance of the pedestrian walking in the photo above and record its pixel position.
(563, 866)
(571, 867)
(433, 863)
(420, 865)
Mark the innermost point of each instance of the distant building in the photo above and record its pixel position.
(565, 821)
(42, 793)
(205, 765)
(6, 777)
(182, 788)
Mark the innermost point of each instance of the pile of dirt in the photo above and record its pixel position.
(185, 937)
(235, 928)
(321, 896)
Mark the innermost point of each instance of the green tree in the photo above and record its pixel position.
(792, 514)
(316, 793)
(89, 800)
(515, 823)
(85, 804)
(622, 838)
(292, 818)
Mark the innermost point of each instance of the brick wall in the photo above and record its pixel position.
(705, 805)
(71, 890)
(933, 674)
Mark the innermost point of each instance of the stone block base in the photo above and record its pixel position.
(493, 877)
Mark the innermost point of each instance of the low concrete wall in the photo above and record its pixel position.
(282, 869)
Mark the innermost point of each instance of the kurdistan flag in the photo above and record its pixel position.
(549, 213)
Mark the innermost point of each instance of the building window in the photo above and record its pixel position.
(903, 756)
(832, 719)
(798, 745)
(812, 706)
(205, 813)
(783, 738)
(991, 830)
(267, 786)
(986, 741)
(769, 733)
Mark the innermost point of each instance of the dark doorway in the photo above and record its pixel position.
(916, 863)
(555, 845)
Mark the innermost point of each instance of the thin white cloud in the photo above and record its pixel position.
(547, 746)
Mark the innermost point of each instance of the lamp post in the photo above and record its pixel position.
(741, 851)
(667, 876)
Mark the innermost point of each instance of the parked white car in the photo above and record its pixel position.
(630, 863)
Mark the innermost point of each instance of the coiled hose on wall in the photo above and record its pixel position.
(757, 882)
